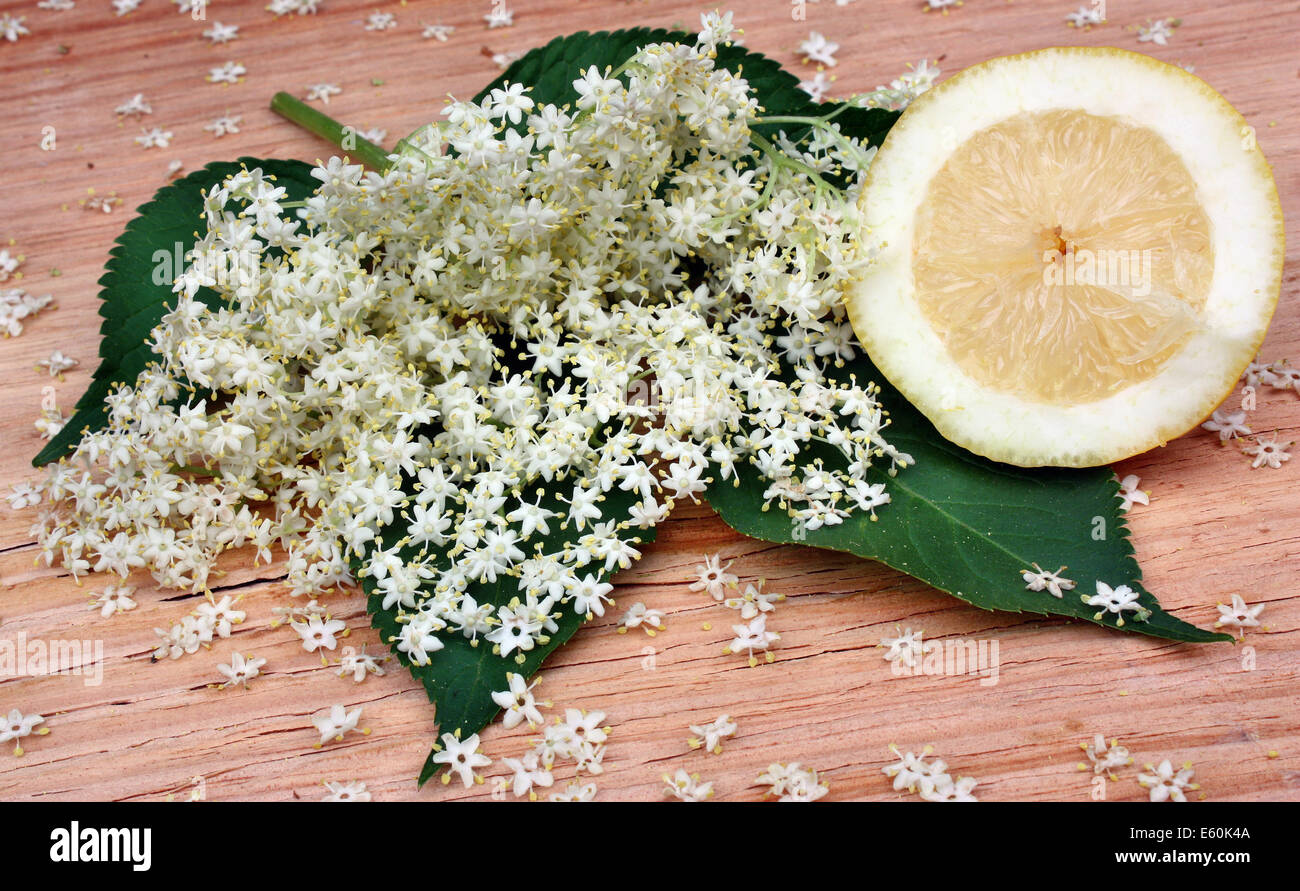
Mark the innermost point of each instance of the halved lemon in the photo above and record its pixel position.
(1078, 250)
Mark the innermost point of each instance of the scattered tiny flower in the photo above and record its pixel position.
(354, 791)
(710, 736)
(1239, 615)
(17, 726)
(1116, 601)
(337, 723)
(687, 786)
(1268, 451)
(461, 757)
(1043, 580)
(241, 670)
(1228, 425)
(1166, 784)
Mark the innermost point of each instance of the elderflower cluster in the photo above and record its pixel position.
(495, 362)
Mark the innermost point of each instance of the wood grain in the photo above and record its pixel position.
(1214, 527)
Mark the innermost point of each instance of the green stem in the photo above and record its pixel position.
(327, 128)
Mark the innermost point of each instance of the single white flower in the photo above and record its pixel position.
(1130, 494)
(338, 722)
(818, 49)
(1239, 614)
(16, 726)
(353, 791)
(1040, 579)
(1268, 451)
(905, 648)
(518, 703)
(709, 736)
(687, 786)
(713, 577)
(461, 757)
(1166, 784)
(753, 636)
(1105, 758)
(241, 670)
(1116, 601)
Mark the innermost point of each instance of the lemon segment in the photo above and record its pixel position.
(1077, 252)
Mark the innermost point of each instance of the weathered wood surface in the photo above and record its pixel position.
(1214, 527)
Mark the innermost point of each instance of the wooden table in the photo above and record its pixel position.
(153, 731)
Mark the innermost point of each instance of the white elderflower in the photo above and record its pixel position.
(16, 726)
(942, 787)
(528, 774)
(1282, 376)
(381, 21)
(687, 786)
(638, 616)
(1130, 494)
(1040, 579)
(1116, 601)
(122, 7)
(219, 33)
(338, 722)
(439, 33)
(353, 791)
(323, 92)
(1086, 16)
(16, 305)
(904, 649)
(754, 601)
(518, 703)
(220, 615)
(135, 107)
(943, 5)
(114, 599)
(9, 263)
(1158, 32)
(12, 27)
(1239, 614)
(226, 73)
(1104, 758)
(57, 5)
(712, 576)
(461, 757)
(753, 636)
(1268, 451)
(293, 417)
(793, 782)
(1228, 425)
(817, 86)
(1257, 372)
(319, 632)
(911, 769)
(576, 791)
(499, 16)
(360, 664)
(818, 49)
(1166, 784)
(709, 736)
(24, 495)
(224, 124)
(241, 670)
(57, 363)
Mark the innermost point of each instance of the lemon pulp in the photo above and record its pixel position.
(1062, 256)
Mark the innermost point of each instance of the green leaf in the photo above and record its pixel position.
(460, 678)
(969, 526)
(136, 288)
